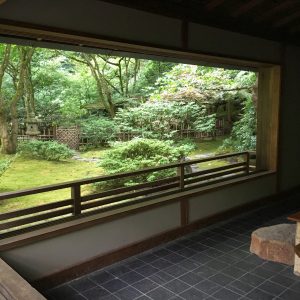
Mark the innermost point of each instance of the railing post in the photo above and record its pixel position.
(76, 197)
(181, 177)
(248, 162)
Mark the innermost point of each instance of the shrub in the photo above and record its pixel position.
(98, 131)
(49, 150)
(142, 153)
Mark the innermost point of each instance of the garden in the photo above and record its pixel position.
(129, 113)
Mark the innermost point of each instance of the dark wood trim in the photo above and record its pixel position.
(88, 221)
(133, 249)
(54, 35)
(280, 114)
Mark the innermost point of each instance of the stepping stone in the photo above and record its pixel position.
(275, 243)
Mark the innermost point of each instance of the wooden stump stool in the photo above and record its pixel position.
(275, 243)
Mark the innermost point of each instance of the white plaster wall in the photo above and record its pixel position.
(49, 256)
(217, 201)
(95, 17)
(212, 40)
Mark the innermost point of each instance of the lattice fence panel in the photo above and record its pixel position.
(69, 136)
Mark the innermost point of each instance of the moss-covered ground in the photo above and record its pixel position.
(24, 173)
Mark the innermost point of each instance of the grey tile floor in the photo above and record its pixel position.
(212, 263)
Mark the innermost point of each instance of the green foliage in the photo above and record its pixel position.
(163, 119)
(49, 150)
(98, 130)
(139, 154)
(243, 135)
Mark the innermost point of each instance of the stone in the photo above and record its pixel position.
(275, 243)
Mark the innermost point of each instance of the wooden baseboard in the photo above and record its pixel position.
(133, 249)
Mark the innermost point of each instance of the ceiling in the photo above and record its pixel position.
(272, 19)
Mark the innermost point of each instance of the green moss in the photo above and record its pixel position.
(95, 153)
(26, 173)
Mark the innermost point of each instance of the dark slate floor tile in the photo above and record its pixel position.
(225, 294)
(95, 293)
(82, 284)
(283, 280)
(258, 294)
(244, 265)
(162, 252)
(161, 277)
(272, 266)
(241, 286)
(174, 258)
(118, 270)
(214, 253)
(201, 258)
(131, 277)
(174, 247)
(109, 297)
(217, 265)
(161, 264)
(251, 279)
(147, 270)
(189, 264)
(160, 293)
(101, 277)
(191, 278)
(262, 272)
(221, 279)
(77, 297)
(143, 297)
(176, 270)
(198, 247)
(176, 286)
(295, 287)
(146, 285)
(114, 285)
(233, 272)
(187, 252)
(289, 295)
(193, 294)
(207, 286)
(205, 271)
(272, 288)
(129, 293)
(148, 258)
(134, 264)
(229, 259)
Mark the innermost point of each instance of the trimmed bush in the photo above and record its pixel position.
(49, 150)
(139, 154)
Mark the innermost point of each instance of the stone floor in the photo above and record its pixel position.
(214, 263)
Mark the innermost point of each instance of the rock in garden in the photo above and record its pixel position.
(275, 243)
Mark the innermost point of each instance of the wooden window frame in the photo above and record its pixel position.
(268, 97)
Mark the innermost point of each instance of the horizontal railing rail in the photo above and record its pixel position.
(118, 196)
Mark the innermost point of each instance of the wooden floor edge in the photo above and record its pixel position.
(101, 261)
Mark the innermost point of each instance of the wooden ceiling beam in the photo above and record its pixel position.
(281, 7)
(287, 19)
(246, 7)
(211, 5)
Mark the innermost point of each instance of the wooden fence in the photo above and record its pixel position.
(29, 219)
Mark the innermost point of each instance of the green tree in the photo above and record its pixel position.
(13, 72)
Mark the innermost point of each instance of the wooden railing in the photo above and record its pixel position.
(28, 219)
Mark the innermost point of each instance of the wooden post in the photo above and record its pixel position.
(76, 196)
(182, 177)
(248, 162)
